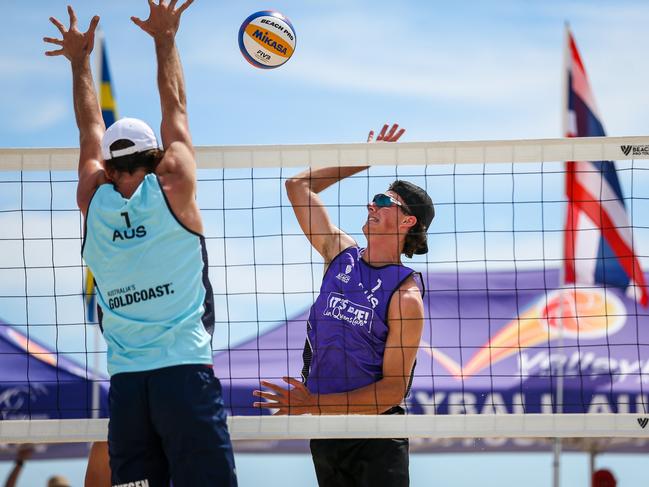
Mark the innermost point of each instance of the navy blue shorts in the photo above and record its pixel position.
(169, 424)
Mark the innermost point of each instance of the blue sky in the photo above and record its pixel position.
(471, 70)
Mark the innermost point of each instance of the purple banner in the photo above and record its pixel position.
(492, 345)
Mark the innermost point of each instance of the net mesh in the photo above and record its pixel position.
(506, 351)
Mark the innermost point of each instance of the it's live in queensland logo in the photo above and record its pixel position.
(342, 309)
(577, 313)
(635, 150)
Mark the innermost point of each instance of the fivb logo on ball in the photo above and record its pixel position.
(267, 39)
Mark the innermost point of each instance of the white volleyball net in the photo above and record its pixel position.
(510, 348)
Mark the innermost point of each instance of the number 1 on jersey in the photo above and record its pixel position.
(128, 221)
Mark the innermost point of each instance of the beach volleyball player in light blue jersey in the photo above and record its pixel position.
(143, 242)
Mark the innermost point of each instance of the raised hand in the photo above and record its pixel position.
(25, 451)
(297, 400)
(392, 135)
(75, 45)
(164, 19)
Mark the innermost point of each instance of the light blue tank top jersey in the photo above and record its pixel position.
(156, 304)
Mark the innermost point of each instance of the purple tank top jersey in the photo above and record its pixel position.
(348, 326)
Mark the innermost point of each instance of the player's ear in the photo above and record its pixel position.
(110, 171)
(409, 221)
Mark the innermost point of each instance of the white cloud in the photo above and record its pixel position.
(36, 115)
(16, 67)
(505, 66)
(27, 107)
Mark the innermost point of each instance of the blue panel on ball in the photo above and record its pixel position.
(242, 31)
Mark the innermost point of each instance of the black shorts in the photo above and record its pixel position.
(361, 462)
(169, 424)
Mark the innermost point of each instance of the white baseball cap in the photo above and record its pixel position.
(132, 130)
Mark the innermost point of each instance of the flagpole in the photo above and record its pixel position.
(556, 461)
(96, 388)
(565, 119)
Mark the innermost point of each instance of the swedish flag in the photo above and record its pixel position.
(106, 98)
(109, 114)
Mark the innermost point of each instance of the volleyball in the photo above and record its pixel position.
(267, 39)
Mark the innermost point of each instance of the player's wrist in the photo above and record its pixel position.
(316, 405)
(164, 39)
(79, 63)
(19, 463)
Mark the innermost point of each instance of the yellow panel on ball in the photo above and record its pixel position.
(267, 39)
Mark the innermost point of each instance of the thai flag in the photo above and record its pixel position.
(598, 244)
(109, 114)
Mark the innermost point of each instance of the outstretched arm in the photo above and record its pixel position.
(405, 321)
(76, 46)
(177, 170)
(23, 454)
(303, 188)
(162, 25)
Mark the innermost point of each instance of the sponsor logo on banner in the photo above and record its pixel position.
(635, 150)
(14, 401)
(32, 347)
(41, 353)
(576, 313)
(342, 309)
(643, 422)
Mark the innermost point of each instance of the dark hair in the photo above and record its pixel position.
(148, 159)
(418, 204)
(415, 239)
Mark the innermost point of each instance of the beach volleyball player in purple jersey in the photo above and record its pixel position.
(365, 326)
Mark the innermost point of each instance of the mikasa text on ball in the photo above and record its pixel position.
(267, 39)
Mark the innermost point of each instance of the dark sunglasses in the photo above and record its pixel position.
(383, 200)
